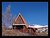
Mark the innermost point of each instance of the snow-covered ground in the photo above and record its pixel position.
(40, 28)
(37, 26)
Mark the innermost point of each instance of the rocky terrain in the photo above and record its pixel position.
(18, 33)
(14, 33)
(42, 31)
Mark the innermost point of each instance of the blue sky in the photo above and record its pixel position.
(33, 12)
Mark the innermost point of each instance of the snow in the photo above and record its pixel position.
(37, 26)
(10, 27)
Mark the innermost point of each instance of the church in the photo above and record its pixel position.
(20, 24)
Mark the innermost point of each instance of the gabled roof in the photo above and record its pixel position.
(20, 20)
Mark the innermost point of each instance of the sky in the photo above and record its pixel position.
(33, 12)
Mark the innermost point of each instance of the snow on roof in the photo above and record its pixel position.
(31, 26)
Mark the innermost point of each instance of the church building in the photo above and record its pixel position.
(20, 24)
